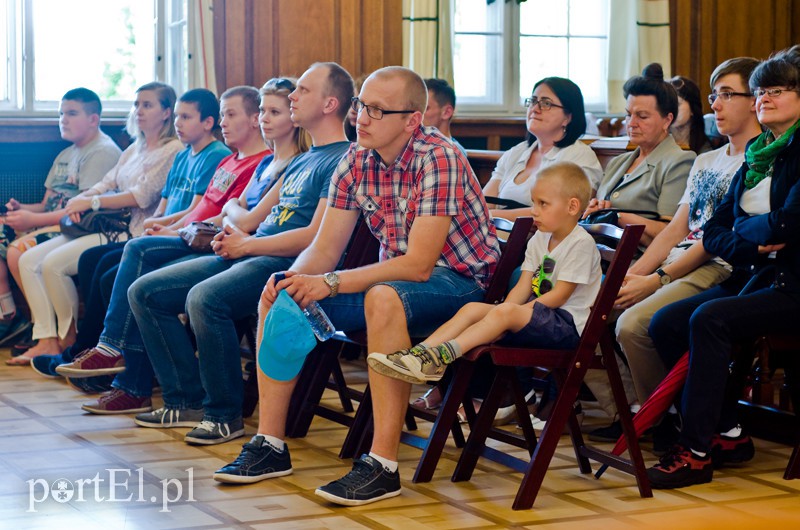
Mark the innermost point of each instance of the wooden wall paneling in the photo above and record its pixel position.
(264, 51)
(306, 33)
(350, 36)
(236, 58)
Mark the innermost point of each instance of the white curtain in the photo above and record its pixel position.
(202, 73)
(428, 38)
(638, 35)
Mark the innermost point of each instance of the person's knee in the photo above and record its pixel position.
(504, 311)
(630, 326)
(382, 305)
(202, 302)
(137, 293)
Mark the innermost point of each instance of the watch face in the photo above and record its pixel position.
(665, 279)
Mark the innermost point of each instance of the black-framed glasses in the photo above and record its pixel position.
(772, 92)
(376, 113)
(545, 104)
(726, 96)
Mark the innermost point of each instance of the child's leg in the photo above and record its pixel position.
(466, 317)
(497, 321)
(12, 260)
(7, 307)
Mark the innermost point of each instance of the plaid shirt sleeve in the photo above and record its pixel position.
(341, 194)
(441, 189)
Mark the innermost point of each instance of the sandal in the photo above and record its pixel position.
(19, 360)
(431, 400)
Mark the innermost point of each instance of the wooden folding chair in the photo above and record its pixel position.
(359, 436)
(569, 368)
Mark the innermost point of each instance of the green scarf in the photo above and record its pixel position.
(761, 155)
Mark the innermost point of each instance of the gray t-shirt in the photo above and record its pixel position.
(76, 169)
(305, 181)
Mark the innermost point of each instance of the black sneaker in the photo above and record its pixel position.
(367, 482)
(92, 385)
(728, 450)
(167, 417)
(212, 432)
(46, 365)
(610, 433)
(679, 468)
(258, 461)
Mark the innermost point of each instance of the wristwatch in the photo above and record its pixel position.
(664, 277)
(95, 202)
(332, 280)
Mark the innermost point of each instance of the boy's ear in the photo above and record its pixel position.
(575, 206)
(208, 123)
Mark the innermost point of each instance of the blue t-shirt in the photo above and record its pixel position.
(261, 185)
(305, 181)
(190, 175)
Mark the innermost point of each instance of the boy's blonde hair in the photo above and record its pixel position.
(572, 180)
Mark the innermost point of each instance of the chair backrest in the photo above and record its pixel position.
(513, 251)
(363, 248)
(618, 260)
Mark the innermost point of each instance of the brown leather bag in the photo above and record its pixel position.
(198, 235)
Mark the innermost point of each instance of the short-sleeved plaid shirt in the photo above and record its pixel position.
(429, 177)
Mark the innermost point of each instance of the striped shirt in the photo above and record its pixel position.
(429, 178)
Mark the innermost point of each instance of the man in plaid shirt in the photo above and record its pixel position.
(423, 203)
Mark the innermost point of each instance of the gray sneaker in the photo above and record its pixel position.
(212, 432)
(391, 365)
(426, 365)
(166, 417)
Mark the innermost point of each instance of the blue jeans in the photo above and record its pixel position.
(427, 305)
(141, 255)
(214, 292)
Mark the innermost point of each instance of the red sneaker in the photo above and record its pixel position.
(679, 468)
(92, 362)
(117, 401)
(727, 450)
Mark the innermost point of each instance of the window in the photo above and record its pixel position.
(110, 46)
(501, 49)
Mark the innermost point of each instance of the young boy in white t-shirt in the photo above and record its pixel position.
(550, 303)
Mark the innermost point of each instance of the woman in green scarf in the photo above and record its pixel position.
(757, 230)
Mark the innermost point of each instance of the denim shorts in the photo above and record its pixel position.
(427, 304)
(550, 328)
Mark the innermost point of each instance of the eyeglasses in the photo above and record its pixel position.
(772, 92)
(541, 281)
(545, 104)
(376, 113)
(726, 96)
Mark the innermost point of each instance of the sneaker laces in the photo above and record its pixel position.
(425, 357)
(249, 453)
(111, 396)
(674, 455)
(209, 426)
(361, 470)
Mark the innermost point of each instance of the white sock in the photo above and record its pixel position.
(108, 351)
(388, 465)
(635, 407)
(276, 443)
(698, 453)
(7, 306)
(733, 433)
(672, 410)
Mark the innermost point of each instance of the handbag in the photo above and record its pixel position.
(611, 216)
(110, 223)
(198, 235)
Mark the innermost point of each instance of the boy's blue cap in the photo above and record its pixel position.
(287, 340)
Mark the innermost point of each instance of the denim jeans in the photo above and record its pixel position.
(141, 255)
(427, 304)
(708, 324)
(214, 292)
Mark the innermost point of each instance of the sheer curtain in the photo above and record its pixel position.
(638, 35)
(202, 73)
(428, 38)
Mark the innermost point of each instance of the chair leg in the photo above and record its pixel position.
(625, 418)
(793, 469)
(481, 427)
(362, 423)
(448, 415)
(341, 387)
(310, 386)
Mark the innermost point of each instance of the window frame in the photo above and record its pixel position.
(511, 104)
(21, 60)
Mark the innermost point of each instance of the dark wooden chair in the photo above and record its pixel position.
(569, 368)
(359, 436)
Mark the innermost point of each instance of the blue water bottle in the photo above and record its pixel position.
(320, 324)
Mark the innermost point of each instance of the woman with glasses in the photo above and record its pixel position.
(688, 128)
(555, 121)
(757, 230)
(653, 176)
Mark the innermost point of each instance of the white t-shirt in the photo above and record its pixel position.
(756, 201)
(515, 159)
(706, 186)
(576, 261)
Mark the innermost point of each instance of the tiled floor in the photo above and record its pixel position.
(160, 482)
